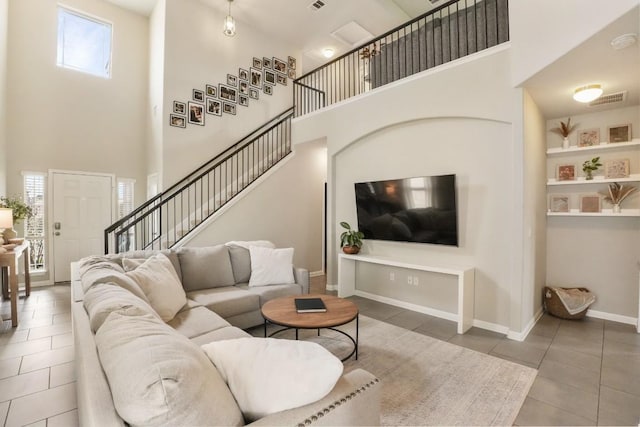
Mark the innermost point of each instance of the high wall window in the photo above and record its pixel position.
(34, 230)
(84, 43)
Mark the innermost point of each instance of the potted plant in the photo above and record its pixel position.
(617, 193)
(589, 166)
(350, 240)
(20, 210)
(565, 130)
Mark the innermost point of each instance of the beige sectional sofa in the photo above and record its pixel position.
(134, 368)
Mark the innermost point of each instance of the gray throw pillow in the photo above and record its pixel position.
(204, 268)
(240, 263)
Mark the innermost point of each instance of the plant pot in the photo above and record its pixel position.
(565, 143)
(616, 208)
(351, 250)
(589, 174)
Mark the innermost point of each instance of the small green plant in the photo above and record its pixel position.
(589, 166)
(350, 237)
(20, 209)
(564, 129)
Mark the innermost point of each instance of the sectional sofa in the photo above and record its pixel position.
(140, 351)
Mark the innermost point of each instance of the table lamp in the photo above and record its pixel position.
(6, 221)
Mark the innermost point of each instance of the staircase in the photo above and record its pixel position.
(164, 220)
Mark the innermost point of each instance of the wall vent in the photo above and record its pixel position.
(316, 5)
(611, 98)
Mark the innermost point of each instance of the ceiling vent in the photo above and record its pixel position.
(352, 34)
(316, 5)
(612, 98)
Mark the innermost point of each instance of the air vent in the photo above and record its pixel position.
(611, 98)
(316, 5)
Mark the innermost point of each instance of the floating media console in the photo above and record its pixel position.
(466, 283)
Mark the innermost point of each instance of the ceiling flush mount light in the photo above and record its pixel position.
(624, 40)
(229, 28)
(587, 93)
(328, 52)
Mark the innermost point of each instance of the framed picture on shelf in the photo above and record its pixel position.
(268, 89)
(616, 168)
(619, 133)
(254, 93)
(212, 91)
(279, 65)
(228, 93)
(269, 77)
(198, 95)
(559, 203)
(214, 107)
(179, 107)
(177, 121)
(566, 173)
(588, 137)
(256, 78)
(590, 203)
(266, 62)
(292, 63)
(196, 113)
(229, 108)
(281, 79)
(232, 80)
(257, 63)
(243, 74)
(243, 100)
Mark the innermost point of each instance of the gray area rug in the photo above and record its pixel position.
(431, 382)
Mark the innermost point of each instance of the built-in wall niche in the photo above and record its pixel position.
(236, 92)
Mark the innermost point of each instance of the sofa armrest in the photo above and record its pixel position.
(301, 276)
(354, 401)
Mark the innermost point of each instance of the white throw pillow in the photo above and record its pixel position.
(271, 266)
(160, 283)
(268, 375)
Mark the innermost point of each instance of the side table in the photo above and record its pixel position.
(10, 272)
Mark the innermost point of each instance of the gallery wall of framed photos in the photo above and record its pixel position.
(241, 88)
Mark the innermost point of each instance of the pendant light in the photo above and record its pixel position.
(229, 28)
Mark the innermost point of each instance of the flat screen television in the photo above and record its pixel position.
(421, 210)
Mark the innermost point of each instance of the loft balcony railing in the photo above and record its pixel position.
(167, 218)
(456, 29)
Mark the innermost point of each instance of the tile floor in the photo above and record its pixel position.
(589, 371)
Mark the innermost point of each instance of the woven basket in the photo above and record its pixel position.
(554, 306)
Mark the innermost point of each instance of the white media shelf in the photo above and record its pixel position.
(601, 147)
(595, 180)
(605, 212)
(465, 276)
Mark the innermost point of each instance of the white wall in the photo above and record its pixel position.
(559, 26)
(599, 253)
(4, 23)
(63, 119)
(155, 104)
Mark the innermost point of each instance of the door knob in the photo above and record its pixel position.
(57, 233)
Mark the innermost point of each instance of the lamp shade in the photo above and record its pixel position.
(6, 218)
(229, 28)
(587, 93)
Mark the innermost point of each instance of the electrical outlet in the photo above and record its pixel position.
(392, 276)
(410, 280)
(415, 281)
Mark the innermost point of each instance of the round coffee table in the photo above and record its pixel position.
(282, 312)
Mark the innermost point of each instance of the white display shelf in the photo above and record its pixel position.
(595, 180)
(605, 212)
(603, 146)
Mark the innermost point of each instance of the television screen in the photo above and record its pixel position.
(421, 210)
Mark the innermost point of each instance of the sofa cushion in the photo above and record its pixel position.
(267, 293)
(144, 254)
(100, 269)
(160, 283)
(270, 266)
(204, 268)
(228, 301)
(159, 377)
(197, 321)
(268, 375)
(241, 259)
(103, 298)
(226, 333)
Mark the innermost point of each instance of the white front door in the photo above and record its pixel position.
(82, 209)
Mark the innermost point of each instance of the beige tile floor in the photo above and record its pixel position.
(589, 371)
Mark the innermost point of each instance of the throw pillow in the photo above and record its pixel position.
(159, 377)
(204, 268)
(241, 259)
(271, 266)
(268, 375)
(130, 264)
(158, 280)
(101, 299)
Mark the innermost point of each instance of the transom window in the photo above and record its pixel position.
(84, 43)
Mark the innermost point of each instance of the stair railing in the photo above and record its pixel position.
(455, 29)
(167, 218)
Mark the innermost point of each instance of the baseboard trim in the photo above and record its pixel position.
(409, 306)
(613, 317)
(521, 336)
(316, 273)
(332, 288)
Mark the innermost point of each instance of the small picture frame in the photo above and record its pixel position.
(558, 203)
(243, 100)
(266, 62)
(616, 169)
(268, 89)
(588, 137)
(291, 62)
(214, 106)
(257, 63)
(281, 79)
(196, 113)
(179, 108)
(243, 87)
(291, 73)
(228, 93)
(232, 80)
(590, 203)
(269, 77)
(619, 133)
(229, 108)
(177, 121)
(255, 78)
(198, 95)
(212, 91)
(279, 65)
(243, 74)
(566, 173)
(254, 93)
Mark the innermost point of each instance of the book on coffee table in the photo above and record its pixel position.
(310, 305)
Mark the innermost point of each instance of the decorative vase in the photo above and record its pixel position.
(351, 250)
(616, 208)
(9, 233)
(589, 175)
(565, 143)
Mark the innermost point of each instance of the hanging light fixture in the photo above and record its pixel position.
(229, 28)
(587, 93)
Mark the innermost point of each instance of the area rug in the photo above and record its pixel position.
(426, 381)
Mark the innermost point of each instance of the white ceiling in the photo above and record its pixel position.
(592, 62)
